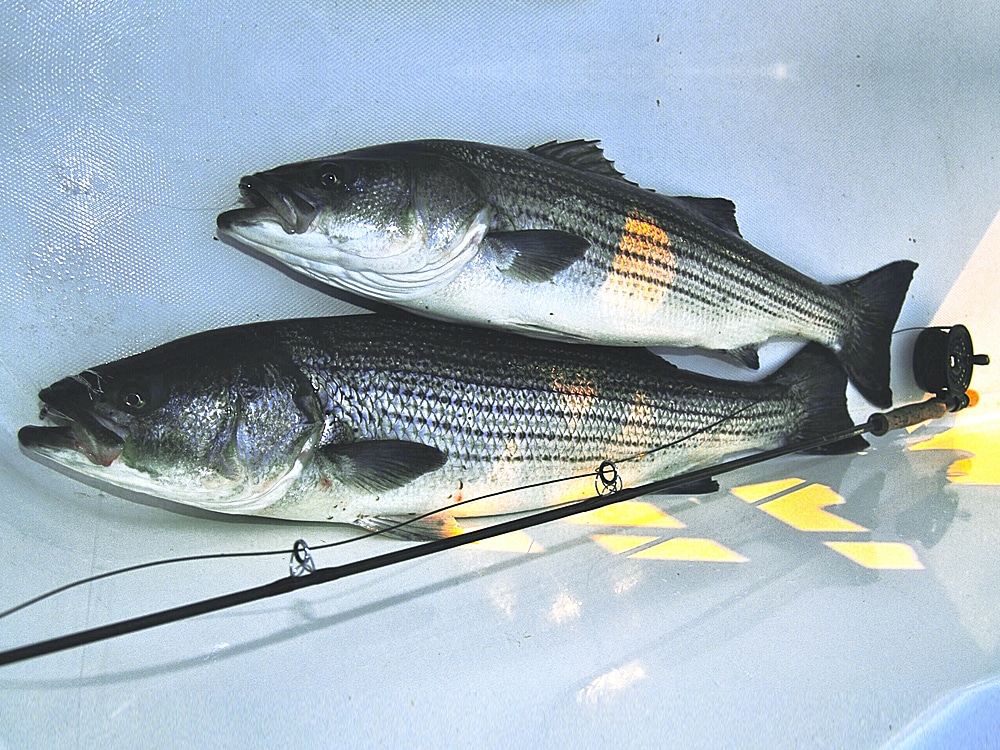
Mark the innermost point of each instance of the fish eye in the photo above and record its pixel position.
(133, 400)
(331, 176)
(139, 398)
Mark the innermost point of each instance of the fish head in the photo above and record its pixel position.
(208, 429)
(390, 222)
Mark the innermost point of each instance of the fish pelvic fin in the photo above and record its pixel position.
(746, 356)
(412, 528)
(815, 378)
(874, 301)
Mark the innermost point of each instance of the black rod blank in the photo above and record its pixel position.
(877, 424)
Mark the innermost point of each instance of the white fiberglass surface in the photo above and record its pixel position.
(812, 601)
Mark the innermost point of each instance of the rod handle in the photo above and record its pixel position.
(906, 416)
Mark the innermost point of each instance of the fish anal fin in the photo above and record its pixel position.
(382, 465)
(547, 333)
(535, 255)
(580, 154)
(719, 211)
(412, 528)
(746, 356)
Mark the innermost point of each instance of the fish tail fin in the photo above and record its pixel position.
(874, 301)
(816, 379)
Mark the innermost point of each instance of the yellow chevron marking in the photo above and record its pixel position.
(976, 434)
(694, 550)
(879, 555)
(751, 493)
(618, 543)
(628, 513)
(802, 510)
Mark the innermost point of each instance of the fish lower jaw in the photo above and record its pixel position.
(235, 497)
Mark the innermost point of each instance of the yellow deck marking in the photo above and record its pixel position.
(879, 555)
(513, 541)
(971, 300)
(694, 550)
(618, 543)
(802, 510)
(975, 434)
(751, 493)
(628, 513)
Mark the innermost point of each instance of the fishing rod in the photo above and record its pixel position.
(397, 529)
(942, 363)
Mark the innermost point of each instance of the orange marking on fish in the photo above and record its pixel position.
(644, 267)
(573, 384)
(636, 428)
(577, 391)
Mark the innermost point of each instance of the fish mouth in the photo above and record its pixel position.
(268, 201)
(73, 428)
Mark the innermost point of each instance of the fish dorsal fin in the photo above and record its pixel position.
(719, 211)
(580, 154)
(382, 465)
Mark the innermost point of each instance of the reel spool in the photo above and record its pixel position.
(943, 363)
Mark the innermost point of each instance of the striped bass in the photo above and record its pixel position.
(553, 242)
(368, 419)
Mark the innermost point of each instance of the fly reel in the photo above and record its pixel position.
(943, 363)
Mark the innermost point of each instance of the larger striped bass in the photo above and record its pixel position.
(368, 419)
(554, 243)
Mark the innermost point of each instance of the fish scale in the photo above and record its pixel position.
(428, 390)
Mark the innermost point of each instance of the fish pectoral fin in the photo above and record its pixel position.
(535, 255)
(412, 528)
(382, 465)
(580, 154)
(719, 211)
(698, 487)
(746, 356)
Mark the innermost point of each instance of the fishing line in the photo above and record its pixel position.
(878, 424)
(945, 352)
(600, 475)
